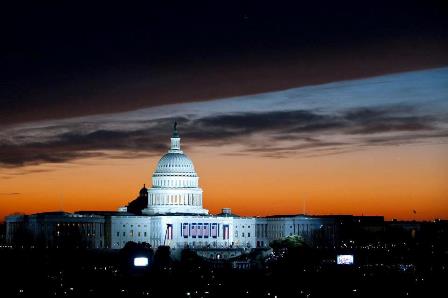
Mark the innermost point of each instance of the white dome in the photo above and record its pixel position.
(175, 184)
(175, 163)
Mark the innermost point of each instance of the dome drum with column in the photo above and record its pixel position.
(175, 184)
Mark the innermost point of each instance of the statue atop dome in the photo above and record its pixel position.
(175, 132)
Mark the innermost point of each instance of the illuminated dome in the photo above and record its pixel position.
(175, 163)
(175, 184)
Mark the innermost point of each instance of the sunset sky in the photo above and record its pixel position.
(323, 109)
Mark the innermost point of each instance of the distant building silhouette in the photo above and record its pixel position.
(141, 202)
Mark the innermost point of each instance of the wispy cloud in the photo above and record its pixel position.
(308, 122)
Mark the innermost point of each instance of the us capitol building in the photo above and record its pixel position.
(169, 213)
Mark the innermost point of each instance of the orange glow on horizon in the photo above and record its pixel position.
(389, 181)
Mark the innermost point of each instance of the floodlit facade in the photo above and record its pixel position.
(173, 216)
(180, 231)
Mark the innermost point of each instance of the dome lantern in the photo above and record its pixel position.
(175, 140)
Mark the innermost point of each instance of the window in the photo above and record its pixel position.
(144, 234)
(124, 234)
(242, 234)
(214, 230)
(118, 234)
(132, 233)
(248, 234)
(199, 230)
(139, 234)
(225, 235)
(206, 230)
(169, 231)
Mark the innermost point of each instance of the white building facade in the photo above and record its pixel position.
(308, 227)
(174, 216)
(57, 229)
(182, 231)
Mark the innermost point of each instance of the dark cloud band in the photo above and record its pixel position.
(278, 133)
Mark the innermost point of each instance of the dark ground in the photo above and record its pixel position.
(380, 270)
